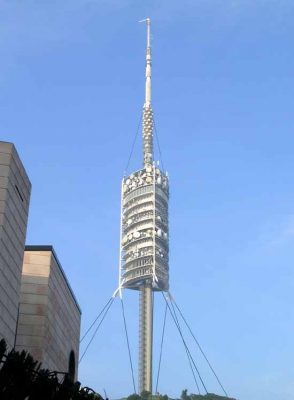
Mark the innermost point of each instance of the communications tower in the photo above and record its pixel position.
(144, 233)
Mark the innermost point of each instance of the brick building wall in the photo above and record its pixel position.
(15, 189)
(49, 316)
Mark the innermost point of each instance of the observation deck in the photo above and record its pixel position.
(144, 239)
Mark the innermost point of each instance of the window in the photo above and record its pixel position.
(72, 366)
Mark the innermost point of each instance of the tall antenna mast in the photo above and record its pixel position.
(144, 233)
(147, 109)
(148, 66)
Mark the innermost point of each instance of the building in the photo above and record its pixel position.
(15, 189)
(38, 310)
(49, 315)
(144, 259)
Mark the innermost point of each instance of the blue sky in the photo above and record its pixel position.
(71, 94)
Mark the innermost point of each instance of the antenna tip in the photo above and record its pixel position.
(147, 20)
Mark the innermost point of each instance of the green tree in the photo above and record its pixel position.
(134, 396)
(184, 395)
(159, 396)
(145, 395)
(21, 377)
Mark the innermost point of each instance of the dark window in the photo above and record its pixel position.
(18, 192)
(72, 366)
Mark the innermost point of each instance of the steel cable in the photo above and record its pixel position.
(158, 145)
(133, 145)
(193, 372)
(85, 334)
(161, 346)
(175, 319)
(200, 348)
(96, 330)
(191, 360)
(128, 343)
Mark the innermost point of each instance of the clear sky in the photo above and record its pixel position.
(71, 94)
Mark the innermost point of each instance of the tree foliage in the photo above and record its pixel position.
(208, 396)
(21, 377)
(145, 395)
(184, 396)
(134, 396)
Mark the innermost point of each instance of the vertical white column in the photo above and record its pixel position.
(145, 338)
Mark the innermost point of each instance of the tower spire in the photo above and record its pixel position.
(147, 109)
(148, 66)
(144, 233)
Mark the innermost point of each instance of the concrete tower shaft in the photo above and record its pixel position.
(145, 337)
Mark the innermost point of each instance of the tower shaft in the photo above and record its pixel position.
(146, 296)
(145, 338)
